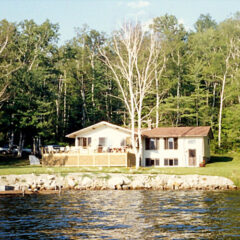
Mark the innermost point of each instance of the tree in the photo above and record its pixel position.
(9, 56)
(134, 54)
(28, 106)
(174, 36)
(205, 22)
(230, 53)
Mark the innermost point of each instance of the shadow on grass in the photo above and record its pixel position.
(215, 159)
(13, 161)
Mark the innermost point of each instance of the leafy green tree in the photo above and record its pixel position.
(205, 22)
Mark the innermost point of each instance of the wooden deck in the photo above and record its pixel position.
(78, 159)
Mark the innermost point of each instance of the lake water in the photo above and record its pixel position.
(122, 215)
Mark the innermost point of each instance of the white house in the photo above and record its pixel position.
(162, 147)
(176, 146)
(102, 137)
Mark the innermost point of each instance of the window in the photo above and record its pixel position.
(175, 161)
(148, 162)
(123, 142)
(152, 143)
(84, 142)
(89, 141)
(102, 141)
(152, 162)
(128, 141)
(170, 162)
(170, 143)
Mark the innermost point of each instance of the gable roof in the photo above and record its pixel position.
(92, 127)
(156, 132)
(179, 132)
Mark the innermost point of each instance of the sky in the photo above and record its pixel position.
(107, 15)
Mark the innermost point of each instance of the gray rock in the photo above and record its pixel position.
(87, 182)
(34, 160)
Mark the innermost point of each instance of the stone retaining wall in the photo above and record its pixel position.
(91, 181)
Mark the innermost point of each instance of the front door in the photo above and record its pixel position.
(192, 157)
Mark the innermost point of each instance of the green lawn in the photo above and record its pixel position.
(226, 166)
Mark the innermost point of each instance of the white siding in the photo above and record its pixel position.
(206, 152)
(114, 137)
(182, 153)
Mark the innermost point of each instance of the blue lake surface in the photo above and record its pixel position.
(122, 215)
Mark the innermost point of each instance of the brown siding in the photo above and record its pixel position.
(85, 160)
(70, 160)
(131, 160)
(114, 159)
(101, 160)
(118, 160)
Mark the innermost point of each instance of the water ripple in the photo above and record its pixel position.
(122, 215)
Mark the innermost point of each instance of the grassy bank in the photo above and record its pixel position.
(226, 166)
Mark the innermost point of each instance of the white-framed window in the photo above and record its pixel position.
(102, 141)
(152, 143)
(84, 142)
(170, 143)
(152, 162)
(170, 162)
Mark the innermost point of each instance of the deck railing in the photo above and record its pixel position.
(87, 150)
(77, 158)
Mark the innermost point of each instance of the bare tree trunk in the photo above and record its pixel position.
(157, 98)
(177, 62)
(133, 78)
(157, 78)
(21, 144)
(11, 141)
(221, 101)
(34, 146)
(178, 90)
(93, 79)
(84, 105)
(65, 103)
(220, 111)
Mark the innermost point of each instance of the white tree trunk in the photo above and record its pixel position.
(21, 144)
(222, 99)
(220, 111)
(133, 78)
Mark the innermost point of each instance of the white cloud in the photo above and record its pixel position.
(138, 4)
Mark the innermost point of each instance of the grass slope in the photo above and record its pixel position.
(226, 166)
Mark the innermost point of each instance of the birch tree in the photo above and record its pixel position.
(230, 49)
(135, 53)
(9, 57)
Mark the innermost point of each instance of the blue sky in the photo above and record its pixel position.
(106, 15)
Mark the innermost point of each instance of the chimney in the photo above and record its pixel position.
(149, 122)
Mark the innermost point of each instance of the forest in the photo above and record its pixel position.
(48, 90)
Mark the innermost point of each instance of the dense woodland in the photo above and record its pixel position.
(48, 91)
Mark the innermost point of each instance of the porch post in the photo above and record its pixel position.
(108, 155)
(94, 160)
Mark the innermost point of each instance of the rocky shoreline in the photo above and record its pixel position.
(30, 183)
